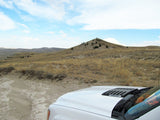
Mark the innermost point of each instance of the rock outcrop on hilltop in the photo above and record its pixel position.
(96, 44)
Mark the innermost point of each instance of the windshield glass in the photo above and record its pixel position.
(147, 94)
(148, 104)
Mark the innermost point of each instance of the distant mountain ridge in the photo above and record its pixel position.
(5, 52)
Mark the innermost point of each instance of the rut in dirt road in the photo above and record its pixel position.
(23, 99)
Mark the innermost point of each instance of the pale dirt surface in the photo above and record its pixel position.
(28, 99)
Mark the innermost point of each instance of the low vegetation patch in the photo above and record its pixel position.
(6, 70)
(42, 75)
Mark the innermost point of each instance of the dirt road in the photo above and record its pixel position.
(24, 99)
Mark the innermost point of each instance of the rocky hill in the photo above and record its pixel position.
(96, 43)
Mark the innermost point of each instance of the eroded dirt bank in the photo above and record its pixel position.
(28, 99)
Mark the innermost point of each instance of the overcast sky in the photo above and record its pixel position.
(66, 23)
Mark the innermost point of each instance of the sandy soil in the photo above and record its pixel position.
(24, 99)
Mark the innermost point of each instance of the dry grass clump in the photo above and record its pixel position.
(42, 75)
(121, 66)
(6, 70)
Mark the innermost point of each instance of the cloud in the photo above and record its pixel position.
(27, 18)
(25, 28)
(50, 32)
(7, 4)
(63, 40)
(21, 41)
(150, 43)
(59, 39)
(118, 14)
(62, 34)
(26, 31)
(5, 22)
(23, 25)
(92, 14)
(49, 9)
(30, 39)
(112, 40)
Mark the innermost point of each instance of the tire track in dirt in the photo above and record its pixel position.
(24, 99)
(5, 88)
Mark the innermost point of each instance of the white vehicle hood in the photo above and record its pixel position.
(91, 100)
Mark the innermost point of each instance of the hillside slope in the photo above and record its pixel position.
(113, 65)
